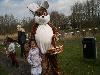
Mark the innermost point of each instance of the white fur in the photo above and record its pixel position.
(33, 7)
(44, 33)
(43, 37)
(42, 21)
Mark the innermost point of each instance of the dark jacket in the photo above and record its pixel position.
(21, 37)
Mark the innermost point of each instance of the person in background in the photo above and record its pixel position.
(12, 52)
(34, 59)
(21, 39)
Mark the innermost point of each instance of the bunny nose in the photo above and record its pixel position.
(42, 16)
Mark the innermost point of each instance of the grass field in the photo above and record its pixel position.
(3, 71)
(71, 60)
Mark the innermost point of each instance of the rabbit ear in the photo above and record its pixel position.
(33, 7)
(45, 4)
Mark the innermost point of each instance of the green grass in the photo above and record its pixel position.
(18, 52)
(3, 71)
(72, 61)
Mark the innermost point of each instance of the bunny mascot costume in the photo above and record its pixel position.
(43, 32)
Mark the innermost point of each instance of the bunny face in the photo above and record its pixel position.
(42, 16)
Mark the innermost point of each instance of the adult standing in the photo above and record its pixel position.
(21, 39)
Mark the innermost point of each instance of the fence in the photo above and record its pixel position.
(82, 33)
(70, 34)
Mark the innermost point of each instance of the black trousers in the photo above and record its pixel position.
(22, 50)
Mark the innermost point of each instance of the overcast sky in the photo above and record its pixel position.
(19, 7)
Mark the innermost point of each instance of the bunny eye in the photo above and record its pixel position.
(39, 13)
(45, 13)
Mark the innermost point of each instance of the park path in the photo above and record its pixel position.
(23, 69)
